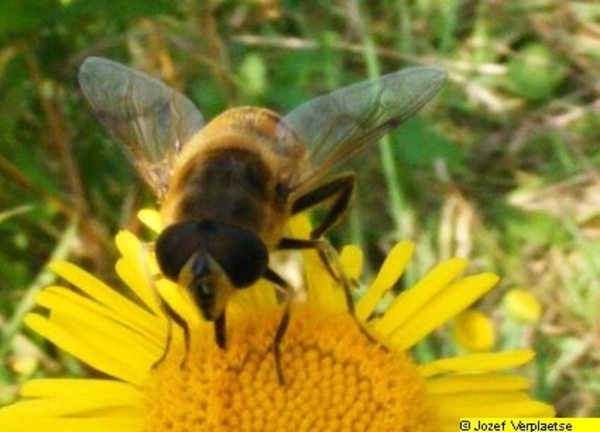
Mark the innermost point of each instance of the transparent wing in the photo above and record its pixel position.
(151, 119)
(340, 124)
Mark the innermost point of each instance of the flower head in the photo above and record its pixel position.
(342, 371)
(522, 306)
(474, 331)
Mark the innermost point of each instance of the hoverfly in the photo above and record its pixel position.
(227, 188)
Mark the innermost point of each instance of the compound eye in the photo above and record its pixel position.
(175, 246)
(240, 252)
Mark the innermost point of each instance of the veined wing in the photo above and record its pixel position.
(336, 126)
(151, 119)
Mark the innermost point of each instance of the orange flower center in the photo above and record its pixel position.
(335, 379)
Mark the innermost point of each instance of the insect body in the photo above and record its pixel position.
(228, 188)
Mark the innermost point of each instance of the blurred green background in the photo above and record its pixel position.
(501, 168)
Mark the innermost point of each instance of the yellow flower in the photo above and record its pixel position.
(522, 306)
(336, 378)
(474, 331)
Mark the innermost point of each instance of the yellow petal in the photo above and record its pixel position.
(93, 287)
(26, 423)
(476, 382)
(179, 299)
(413, 300)
(388, 275)
(48, 387)
(144, 289)
(477, 362)
(351, 259)
(323, 289)
(260, 296)
(62, 300)
(78, 405)
(444, 306)
(102, 344)
(509, 404)
(152, 219)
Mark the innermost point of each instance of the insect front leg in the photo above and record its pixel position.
(288, 291)
(173, 317)
(221, 331)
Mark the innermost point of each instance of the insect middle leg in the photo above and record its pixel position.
(329, 258)
(173, 317)
(221, 331)
(339, 189)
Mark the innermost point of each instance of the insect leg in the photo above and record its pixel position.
(181, 322)
(166, 309)
(340, 189)
(321, 245)
(271, 276)
(329, 257)
(221, 331)
(333, 263)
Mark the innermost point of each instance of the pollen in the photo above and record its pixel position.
(336, 378)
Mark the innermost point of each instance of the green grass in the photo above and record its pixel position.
(501, 168)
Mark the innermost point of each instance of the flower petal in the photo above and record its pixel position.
(412, 300)
(138, 268)
(28, 423)
(49, 387)
(390, 272)
(352, 259)
(324, 290)
(491, 404)
(260, 296)
(180, 300)
(83, 405)
(101, 343)
(474, 331)
(139, 284)
(68, 302)
(152, 219)
(444, 306)
(93, 287)
(468, 382)
(477, 362)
